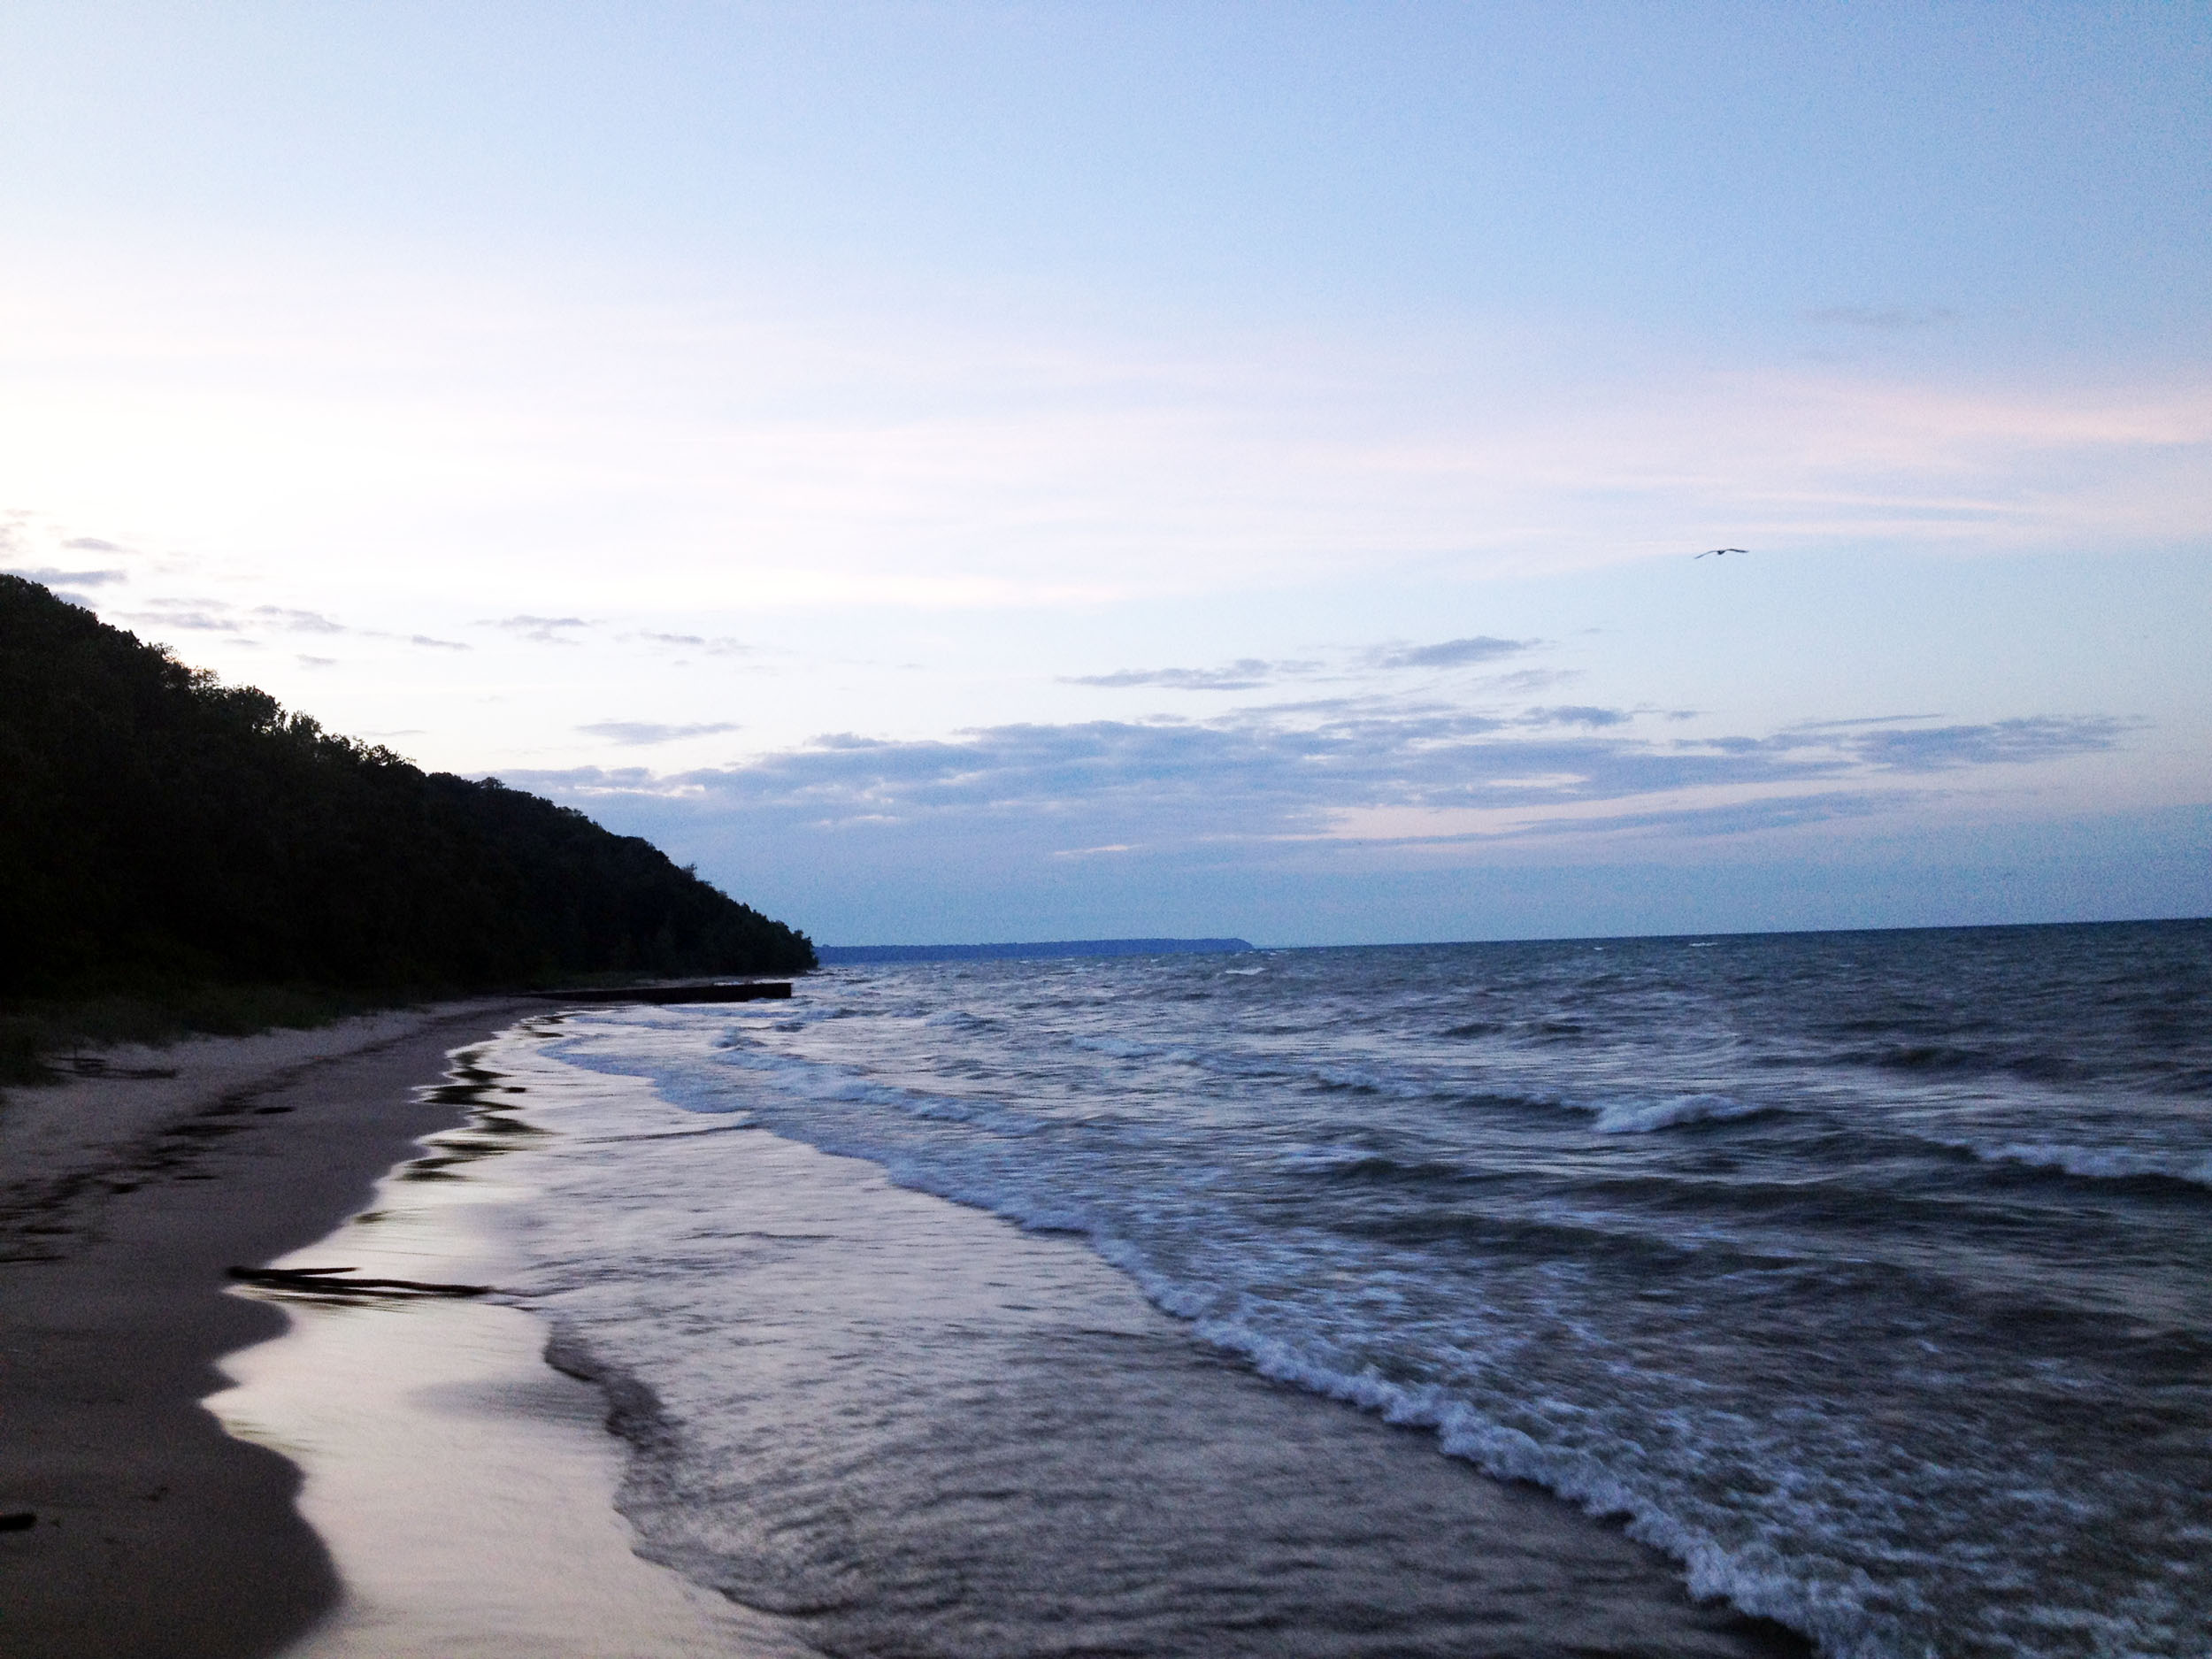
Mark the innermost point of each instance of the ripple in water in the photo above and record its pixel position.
(1909, 1354)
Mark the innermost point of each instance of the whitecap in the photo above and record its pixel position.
(1641, 1116)
(2107, 1164)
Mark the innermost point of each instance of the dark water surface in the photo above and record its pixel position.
(1866, 1275)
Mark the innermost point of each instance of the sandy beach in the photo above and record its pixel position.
(124, 1198)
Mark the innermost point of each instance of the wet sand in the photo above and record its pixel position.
(464, 1489)
(123, 1199)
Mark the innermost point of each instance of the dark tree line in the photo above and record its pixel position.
(157, 827)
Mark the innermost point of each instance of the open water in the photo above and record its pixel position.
(1864, 1281)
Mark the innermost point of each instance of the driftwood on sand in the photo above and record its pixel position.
(330, 1281)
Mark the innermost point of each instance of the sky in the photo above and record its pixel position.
(1000, 472)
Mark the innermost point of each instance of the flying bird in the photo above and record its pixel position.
(1715, 552)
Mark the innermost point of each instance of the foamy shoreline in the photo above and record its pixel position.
(911, 1426)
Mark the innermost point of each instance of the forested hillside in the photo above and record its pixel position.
(159, 828)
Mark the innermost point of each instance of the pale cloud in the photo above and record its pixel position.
(48, 577)
(716, 646)
(645, 732)
(1863, 720)
(1247, 673)
(1575, 714)
(1252, 673)
(1522, 682)
(1442, 829)
(204, 615)
(2001, 742)
(541, 630)
(1448, 653)
(192, 616)
(296, 621)
(986, 463)
(242, 625)
(1345, 771)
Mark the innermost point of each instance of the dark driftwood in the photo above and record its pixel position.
(741, 991)
(92, 1065)
(327, 1281)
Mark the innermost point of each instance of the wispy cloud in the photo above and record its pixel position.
(192, 616)
(1863, 721)
(1344, 771)
(1249, 674)
(541, 630)
(47, 577)
(719, 645)
(214, 616)
(1448, 653)
(296, 621)
(200, 615)
(1245, 674)
(642, 732)
(2000, 743)
(1735, 818)
(1575, 714)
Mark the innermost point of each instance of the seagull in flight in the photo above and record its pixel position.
(1715, 552)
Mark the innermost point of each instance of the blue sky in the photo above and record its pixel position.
(963, 472)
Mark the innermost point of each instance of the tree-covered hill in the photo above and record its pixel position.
(159, 828)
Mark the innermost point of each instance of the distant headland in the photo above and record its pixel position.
(835, 955)
(166, 838)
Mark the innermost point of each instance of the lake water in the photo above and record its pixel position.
(1860, 1282)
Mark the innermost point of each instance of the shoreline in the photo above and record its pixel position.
(464, 1487)
(217, 1475)
(908, 1425)
(123, 1199)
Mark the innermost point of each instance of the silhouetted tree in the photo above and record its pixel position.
(157, 825)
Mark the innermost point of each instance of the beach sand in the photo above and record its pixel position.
(464, 1489)
(123, 1199)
